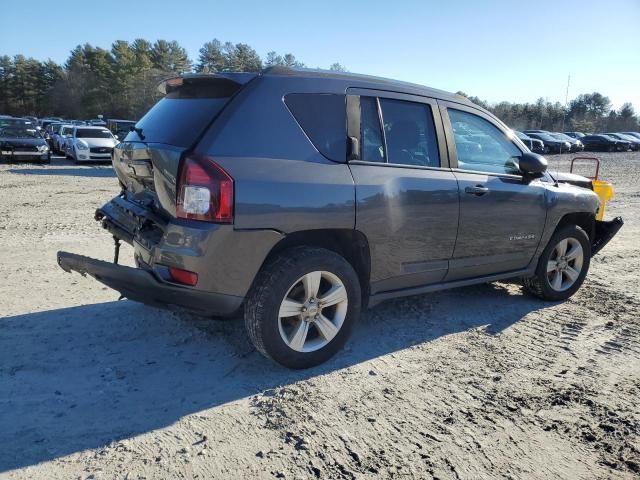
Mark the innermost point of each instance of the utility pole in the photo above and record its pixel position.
(566, 102)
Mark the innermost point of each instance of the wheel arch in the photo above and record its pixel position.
(350, 244)
(584, 220)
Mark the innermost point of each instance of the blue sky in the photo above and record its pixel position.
(497, 50)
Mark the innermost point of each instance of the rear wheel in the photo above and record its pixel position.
(562, 266)
(302, 307)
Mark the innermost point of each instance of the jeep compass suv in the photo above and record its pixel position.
(300, 197)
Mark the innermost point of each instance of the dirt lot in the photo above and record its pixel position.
(479, 382)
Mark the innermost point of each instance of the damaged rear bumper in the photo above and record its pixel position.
(143, 286)
(604, 232)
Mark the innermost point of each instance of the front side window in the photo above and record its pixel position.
(481, 146)
(410, 133)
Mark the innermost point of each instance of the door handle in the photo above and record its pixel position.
(478, 190)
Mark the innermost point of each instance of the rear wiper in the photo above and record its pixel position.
(138, 131)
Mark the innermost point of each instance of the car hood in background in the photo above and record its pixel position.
(22, 142)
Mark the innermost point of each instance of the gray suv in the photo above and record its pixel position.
(301, 197)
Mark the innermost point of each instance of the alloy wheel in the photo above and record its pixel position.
(312, 311)
(565, 264)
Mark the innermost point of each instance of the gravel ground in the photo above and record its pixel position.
(478, 382)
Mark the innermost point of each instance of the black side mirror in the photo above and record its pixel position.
(533, 164)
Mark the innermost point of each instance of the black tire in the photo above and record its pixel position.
(539, 285)
(546, 149)
(269, 289)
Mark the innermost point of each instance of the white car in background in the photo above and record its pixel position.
(88, 143)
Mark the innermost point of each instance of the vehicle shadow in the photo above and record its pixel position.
(79, 378)
(87, 171)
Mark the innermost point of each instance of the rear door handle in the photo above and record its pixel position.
(478, 190)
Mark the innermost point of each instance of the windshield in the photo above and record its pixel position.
(92, 133)
(15, 121)
(562, 136)
(16, 131)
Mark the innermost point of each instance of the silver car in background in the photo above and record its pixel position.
(59, 137)
(88, 143)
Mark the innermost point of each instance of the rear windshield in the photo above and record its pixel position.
(184, 113)
(323, 117)
(92, 133)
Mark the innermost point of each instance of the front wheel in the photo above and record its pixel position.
(563, 265)
(302, 307)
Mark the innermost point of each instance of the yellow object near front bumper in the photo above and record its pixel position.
(604, 190)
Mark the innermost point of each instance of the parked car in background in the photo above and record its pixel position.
(120, 128)
(603, 143)
(60, 137)
(635, 142)
(44, 122)
(551, 143)
(534, 144)
(47, 133)
(535, 131)
(8, 120)
(576, 145)
(301, 209)
(577, 135)
(97, 122)
(22, 143)
(90, 143)
(633, 134)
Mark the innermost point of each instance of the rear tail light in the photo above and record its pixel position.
(204, 191)
(184, 277)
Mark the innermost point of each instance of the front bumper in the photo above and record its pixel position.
(604, 232)
(143, 286)
(18, 156)
(87, 155)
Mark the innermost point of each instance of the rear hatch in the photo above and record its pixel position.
(147, 161)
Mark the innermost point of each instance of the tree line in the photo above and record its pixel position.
(121, 83)
(117, 83)
(589, 112)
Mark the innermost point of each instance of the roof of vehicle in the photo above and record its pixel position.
(121, 120)
(351, 79)
(91, 127)
(370, 80)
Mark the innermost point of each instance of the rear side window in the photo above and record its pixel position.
(410, 133)
(370, 132)
(324, 120)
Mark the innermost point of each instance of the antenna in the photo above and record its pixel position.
(566, 101)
